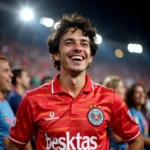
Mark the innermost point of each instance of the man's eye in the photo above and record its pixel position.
(84, 44)
(68, 43)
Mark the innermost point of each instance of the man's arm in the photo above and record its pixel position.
(12, 146)
(28, 146)
(117, 138)
(137, 143)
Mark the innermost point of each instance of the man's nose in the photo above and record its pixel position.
(77, 48)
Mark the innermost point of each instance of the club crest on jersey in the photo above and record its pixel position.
(95, 116)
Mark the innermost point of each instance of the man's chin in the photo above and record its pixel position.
(9, 89)
(76, 72)
(6, 93)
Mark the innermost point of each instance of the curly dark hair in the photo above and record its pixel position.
(78, 22)
(129, 96)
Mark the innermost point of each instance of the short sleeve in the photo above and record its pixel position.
(23, 127)
(122, 122)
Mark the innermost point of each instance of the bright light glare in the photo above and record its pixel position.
(131, 48)
(135, 48)
(26, 14)
(56, 25)
(140, 49)
(98, 39)
(48, 22)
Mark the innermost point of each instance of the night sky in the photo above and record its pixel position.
(119, 22)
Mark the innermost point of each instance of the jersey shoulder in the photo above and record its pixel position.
(102, 88)
(42, 90)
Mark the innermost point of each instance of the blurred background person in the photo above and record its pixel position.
(21, 82)
(6, 113)
(46, 79)
(136, 100)
(115, 82)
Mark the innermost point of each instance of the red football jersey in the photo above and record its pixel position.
(60, 121)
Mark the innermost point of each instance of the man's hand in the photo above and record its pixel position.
(6, 141)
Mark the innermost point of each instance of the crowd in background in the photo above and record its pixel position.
(39, 63)
(126, 81)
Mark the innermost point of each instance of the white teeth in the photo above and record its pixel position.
(9, 81)
(77, 57)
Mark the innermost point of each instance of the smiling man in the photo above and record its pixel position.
(6, 114)
(72, 112)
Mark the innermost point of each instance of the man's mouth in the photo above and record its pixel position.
(77, 58)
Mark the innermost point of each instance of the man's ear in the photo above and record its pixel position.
(91, 58)
(56, 56)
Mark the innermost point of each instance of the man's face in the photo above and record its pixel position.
(74, 51)
(25, 80)
(5, 76)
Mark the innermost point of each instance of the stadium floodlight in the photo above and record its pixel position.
(48, 22)
(26, 14)
(98, 39)
(56, 25)
(139, 48)
(131, 48)
(135, 48)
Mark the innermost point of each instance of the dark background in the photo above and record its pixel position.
(121, 21)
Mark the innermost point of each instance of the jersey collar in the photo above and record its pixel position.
(56, 87)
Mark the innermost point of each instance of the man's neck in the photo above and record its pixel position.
(72, 84)
(20, 90)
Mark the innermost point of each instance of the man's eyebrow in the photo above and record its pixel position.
(71, 39)
(84, 40)
(68, 39)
